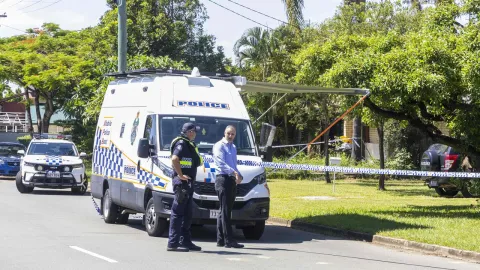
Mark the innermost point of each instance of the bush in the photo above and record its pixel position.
(25, 140)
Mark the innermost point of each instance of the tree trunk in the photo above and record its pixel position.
(37, 110)
(326, 137)
(29, 113)
(381, 181)
(327, 155)
(49, 110)
(285, 120)
(356, 138)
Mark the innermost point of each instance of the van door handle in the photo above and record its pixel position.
(138, 166)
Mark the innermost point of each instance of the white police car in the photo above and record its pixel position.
(52, 161)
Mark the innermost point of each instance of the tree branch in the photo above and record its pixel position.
(432, 131)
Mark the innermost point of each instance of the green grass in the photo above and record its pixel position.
(407, 210)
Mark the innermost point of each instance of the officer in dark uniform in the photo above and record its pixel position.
(185, 160)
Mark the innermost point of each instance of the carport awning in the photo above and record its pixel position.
(262, 87)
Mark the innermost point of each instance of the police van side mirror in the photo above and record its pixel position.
(266, 153)
(83, 155)
(143, 150)
(21, 152)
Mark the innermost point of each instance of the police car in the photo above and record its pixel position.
(9, 158)
(52, 161)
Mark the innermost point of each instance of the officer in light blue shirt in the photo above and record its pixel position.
(228, 176)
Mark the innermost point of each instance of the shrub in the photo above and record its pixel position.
(25, 140)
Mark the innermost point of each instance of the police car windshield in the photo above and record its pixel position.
(52, 149)
(10, 150)
(211, 131)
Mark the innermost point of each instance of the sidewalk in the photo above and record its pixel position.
(380, 240)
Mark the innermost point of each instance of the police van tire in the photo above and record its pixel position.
(154, 224)
(109, 208)
(254, 232)
(20, 186)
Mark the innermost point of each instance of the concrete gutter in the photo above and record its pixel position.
(380, 240)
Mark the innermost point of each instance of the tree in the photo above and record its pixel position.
(422, 67)
(158, 28)
(294, 8)
(52, 64)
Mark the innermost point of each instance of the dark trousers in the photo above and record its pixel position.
(226, 189)
(181, 214)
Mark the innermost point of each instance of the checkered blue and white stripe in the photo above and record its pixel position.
(146, 177)
(107, 161)
(349, 170)
(53, 160)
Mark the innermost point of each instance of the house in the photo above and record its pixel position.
(371, 140)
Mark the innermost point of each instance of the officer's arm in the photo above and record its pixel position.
(176, 157)
(178, 168)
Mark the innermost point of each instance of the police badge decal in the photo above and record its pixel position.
(133, 135)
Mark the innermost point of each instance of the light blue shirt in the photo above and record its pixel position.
(225, 157)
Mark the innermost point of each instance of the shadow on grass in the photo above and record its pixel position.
(357, 223)
(443, 211)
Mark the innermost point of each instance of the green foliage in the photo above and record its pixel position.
(165, 28)
(25, 140)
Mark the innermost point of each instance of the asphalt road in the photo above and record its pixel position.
(52, 229)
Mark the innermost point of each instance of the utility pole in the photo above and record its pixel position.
(122, 35)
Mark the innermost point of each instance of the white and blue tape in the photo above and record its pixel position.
(348, 170)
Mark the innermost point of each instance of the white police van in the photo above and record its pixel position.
(142, 112)
(52, 161)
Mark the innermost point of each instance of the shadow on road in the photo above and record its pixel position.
(61, 192)
(370, 224)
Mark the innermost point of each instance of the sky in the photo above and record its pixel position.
(226, 26)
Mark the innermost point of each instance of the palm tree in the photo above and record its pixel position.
(255, 47)
(294, 12)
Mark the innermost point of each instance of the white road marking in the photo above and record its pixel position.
(322, 263)
(263, 257)
(234, 259)
(93, 254)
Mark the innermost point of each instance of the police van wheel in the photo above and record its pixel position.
(109, 208)
(254, 232)
(154, 224)
(20, 186)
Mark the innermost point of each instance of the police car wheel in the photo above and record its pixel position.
(109, 208)
(254, 232)
(80, 190)
(154, 224)
(122, 218)
(20, 186)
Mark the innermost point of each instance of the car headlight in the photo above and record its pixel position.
(2, 162)
(28, 164)
(77, 166)
(261, 178)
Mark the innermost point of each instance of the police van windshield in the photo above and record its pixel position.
(10, 150)
(52, 149)
(211, 131)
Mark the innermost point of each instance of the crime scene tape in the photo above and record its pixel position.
(348, 170)
(317, 168)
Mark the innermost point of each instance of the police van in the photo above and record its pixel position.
(52, 161)
(142, 112)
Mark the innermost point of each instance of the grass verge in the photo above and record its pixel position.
(407, 210)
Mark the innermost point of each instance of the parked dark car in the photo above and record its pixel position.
(440, 157)
(9, 158)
